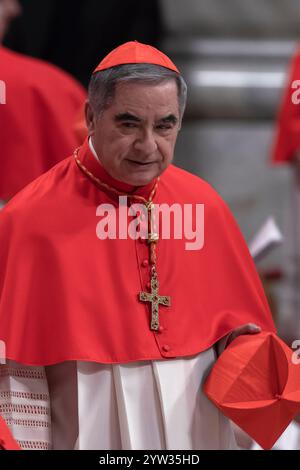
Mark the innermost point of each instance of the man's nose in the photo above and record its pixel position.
(146, 142)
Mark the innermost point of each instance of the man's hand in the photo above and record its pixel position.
(248, 329)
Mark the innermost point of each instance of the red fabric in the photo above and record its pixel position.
(37, 121)
(256, 384)
(7, 441)
(80, 128)
(287, 140)
(66, 295)
(134, 52)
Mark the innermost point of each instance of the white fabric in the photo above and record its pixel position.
(143, 405)
(24, 404)
(150, 405)
(92, 148)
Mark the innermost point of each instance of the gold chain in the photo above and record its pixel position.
(154, 298)
(153, 238)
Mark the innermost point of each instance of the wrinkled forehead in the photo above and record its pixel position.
(146, 98)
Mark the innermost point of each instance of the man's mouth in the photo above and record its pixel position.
(137, 162)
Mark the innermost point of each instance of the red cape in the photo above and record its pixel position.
(287, 140)
(37, 121)
(66, 295)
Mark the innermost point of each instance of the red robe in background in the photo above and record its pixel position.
(287, 140)
(37, 122)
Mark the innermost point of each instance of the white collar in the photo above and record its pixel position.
(92, 148)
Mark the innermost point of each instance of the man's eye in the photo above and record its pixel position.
(129, 125)
(164, 127)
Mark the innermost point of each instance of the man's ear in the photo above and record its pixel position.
(89, 118)
(180, 123)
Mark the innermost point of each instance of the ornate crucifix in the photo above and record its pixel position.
(155, 300)
(153, 238)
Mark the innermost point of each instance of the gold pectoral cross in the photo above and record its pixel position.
(155, 300)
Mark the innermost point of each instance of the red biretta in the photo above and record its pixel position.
(256, 384)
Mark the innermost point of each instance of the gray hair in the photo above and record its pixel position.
(102, 85)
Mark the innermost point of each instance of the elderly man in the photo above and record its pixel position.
(110, 321)
(37, 101)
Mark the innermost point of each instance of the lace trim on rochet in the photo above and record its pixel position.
(32, 409)
(34, 423)
(25, 395)
(18, 372)
(25, 405)
(34, 445)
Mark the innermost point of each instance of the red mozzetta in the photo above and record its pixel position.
(67, 295)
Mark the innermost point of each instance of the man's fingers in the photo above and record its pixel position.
(252, 328)
(249, 328)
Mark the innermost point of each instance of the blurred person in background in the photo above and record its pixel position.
(286, 151)
(73, 34)
(38, 110)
